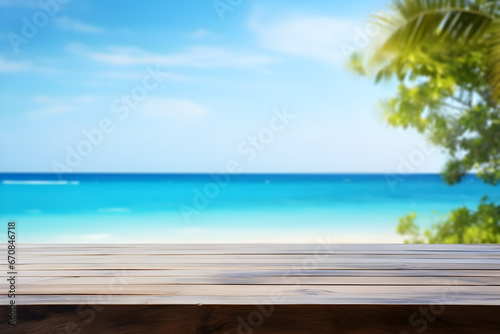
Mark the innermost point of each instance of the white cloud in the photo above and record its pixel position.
(197, 56)
(85, 99)
(317, 37)
(200, 33)
(56, 106)
(52, 110)
(42, 99)
(172, 108)
(138, 74)
(11, 66)
(67, 23)
(53, 100)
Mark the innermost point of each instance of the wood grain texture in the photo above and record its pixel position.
(267, 319)
(323, 274)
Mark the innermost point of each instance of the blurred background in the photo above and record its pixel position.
(216, 106)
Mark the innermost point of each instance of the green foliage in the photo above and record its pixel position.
(463, 226)
(440, 53)
(408, 228)
(445, 57)
(420, 23)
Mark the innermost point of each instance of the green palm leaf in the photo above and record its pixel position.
(414, 24)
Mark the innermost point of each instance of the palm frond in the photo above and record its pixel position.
(417, 23)
(414, 22)
(494, 59)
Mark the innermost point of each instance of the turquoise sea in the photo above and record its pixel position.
(196, 208)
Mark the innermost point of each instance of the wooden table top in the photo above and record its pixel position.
(242, 274)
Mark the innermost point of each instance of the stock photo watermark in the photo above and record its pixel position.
(363, 36)
(265, 309)
(223, 6)
(121, 108)
(87, 312)
(12, 273)
(31, 26)
(409, 163)
(249, 150)
(420, 320)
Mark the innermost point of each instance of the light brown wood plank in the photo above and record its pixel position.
(233, 274)
(260, 273)
(440, 293)
(309, 249)
(163, 258)
(260, 266)
(269, 280)
(375, 298)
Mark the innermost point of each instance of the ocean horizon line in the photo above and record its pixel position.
(220, 173)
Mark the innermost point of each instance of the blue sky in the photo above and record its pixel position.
(200, 85)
